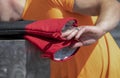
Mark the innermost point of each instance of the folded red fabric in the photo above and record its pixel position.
(46, 35)
(50, 28)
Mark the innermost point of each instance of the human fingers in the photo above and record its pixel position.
(73, 33)
(66, 33)
(77, 44)
(88, 41)
(70, 33)
(80, 32)
(83, 42)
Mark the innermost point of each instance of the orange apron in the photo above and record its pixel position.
(99, 60)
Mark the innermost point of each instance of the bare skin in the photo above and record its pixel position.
(11, 10)
(108, 12)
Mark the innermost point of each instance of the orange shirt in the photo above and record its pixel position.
(44, 9)
(99, 60)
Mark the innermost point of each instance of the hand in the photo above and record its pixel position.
(85, 35)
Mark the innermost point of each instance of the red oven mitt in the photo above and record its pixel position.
(46, 35)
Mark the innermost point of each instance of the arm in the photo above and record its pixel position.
(108, 13)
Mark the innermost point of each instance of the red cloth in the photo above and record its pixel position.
(46, 34)
(50, 28)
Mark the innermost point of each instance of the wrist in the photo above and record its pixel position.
(105, 26)
(102, 29)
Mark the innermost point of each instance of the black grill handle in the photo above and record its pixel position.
(13, 30)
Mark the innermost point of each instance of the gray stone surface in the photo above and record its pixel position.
(116, 34)
(37, 67)
(20, 59)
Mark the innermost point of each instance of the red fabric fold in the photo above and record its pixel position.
(46, 35)
(50, 28)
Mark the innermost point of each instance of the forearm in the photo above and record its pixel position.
(109, 15)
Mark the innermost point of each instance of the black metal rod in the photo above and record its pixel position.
(13, 30)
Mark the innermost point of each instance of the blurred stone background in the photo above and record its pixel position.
(20, 59)
(116, 34)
